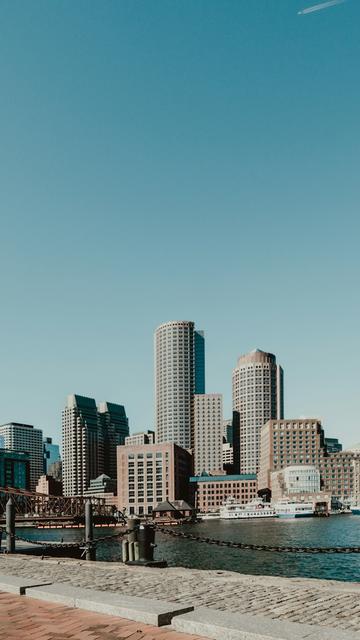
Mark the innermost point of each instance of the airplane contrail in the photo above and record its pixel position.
(319, 7)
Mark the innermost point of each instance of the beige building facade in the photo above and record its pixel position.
(207, 432)
(257, 389)
(340, 474)
(212, 491)
(285, 443)
(150, 474)
(179, 374)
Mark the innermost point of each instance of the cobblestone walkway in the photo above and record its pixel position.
(22, 617)
(319, 602)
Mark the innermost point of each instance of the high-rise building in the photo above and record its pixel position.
(115, 427)
(14, 469)
(333, 445)
(228, 431)
(207, 433)
(179, 374)
(257, 398)
(145, 437)
(152, 473)
(285, 443)
(83, 446)
(90, 437)
(23, 437)
(51, 453)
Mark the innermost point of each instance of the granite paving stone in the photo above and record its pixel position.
(327, 603)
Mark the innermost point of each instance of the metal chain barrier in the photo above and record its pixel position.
(73, 545)
(255, 547)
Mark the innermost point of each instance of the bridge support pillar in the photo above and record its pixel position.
(10, 526)
(90, 551)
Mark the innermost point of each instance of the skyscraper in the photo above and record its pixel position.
(207, 433)
(90, 437)
(51, 453)
(257, 398)
(179, 374)
(115, 427)
(83, 446)
(23, 437)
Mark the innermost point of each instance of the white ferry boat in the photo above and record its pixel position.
(256, 509)
(293, 509)
(355, 509)
(211, 515)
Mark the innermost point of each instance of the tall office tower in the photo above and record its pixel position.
(51, 453)
(257, 398)
(23, 437)
(207, 433)
(179, 374)
(115, 427)
(83, 446)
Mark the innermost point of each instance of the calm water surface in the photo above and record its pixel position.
(333, 531)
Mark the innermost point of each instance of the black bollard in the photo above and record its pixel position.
(90, 550)
(146, 539)
(10, 526)
(133, 528)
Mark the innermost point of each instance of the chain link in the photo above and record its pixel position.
(255, 547)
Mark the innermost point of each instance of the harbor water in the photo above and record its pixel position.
(339, 530)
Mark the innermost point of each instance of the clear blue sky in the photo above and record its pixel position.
(178, 159)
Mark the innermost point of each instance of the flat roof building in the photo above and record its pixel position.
(212, 491)
(24, 437)
(283, 443)
(152, 473)
(14, 469)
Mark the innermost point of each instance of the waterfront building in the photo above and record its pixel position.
(145, 437)
(299, 480)
(179, 374)
(115, 428)
(14, 469)
(333, 445)
(227, 454)
(207, 432)
(24, 437)
(49, 486)
(90, 437)
(152, 473)
(285, 443)
(212, 491)
(51, 453)
(257, 386)
(340, 475)
(172, 511)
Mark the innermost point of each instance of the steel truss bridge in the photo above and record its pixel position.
(31, 506)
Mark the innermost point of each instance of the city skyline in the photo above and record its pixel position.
(178, 160)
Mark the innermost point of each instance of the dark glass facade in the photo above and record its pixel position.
(14, 469)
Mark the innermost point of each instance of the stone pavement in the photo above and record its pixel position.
(319, 602)
(24, 618)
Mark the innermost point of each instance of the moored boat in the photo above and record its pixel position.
(256, 509)
(211, 515)
(293, 509)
